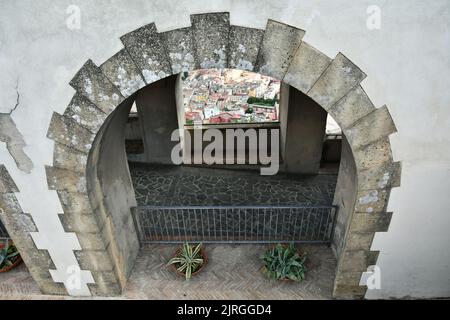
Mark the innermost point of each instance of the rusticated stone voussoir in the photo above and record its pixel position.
(67, 132)
(340, 77)
(357, 260)
(65, 157)
(355, 105)
(244, 47)
(7, 184)
(147, 49)
(306, 67)
(370, 222)
(280, 43)
(370, 128)
(372, 201)
(211, 33)
(180, 48)
(121, 70)
(85, 113)
(92, 83)
(373, 155)
(386, 175)
(61, 179)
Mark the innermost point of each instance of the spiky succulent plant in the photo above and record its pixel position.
(188, 260)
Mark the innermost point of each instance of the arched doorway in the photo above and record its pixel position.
(211, 42)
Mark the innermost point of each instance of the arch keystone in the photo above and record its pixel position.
(211, 32)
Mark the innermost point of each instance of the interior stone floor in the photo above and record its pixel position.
(232, 272)
(181, 185)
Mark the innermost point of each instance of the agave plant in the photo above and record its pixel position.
(8, 255)
(188, 260)
(284, 262)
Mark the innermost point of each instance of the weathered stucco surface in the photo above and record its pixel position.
(412, 80)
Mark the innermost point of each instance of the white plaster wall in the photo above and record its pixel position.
(408, 69)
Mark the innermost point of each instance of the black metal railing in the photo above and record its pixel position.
(235, 224)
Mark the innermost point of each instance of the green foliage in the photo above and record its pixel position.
(8, 255)
(283, 262)
(188, 260)
(262, 101)
(249, 110)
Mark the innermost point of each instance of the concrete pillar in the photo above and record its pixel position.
(157, 109)
(302, 131)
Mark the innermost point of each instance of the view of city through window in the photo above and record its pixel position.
(214, 96)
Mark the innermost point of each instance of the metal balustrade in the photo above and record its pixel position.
(235, 224)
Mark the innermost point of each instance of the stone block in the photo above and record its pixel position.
(370, 128)
(79, 222)
(359, 241)
(7, 184)
(68, 158)
(386, 175)
(244, 47)
(85, 113)
(343, 291)
(121, 70)
(147, 49)
(180, 48)
(211, 33)
(97, 260)
(61, 179)
(93, 84)
(69, 133)
(74, 202)
(340, 77)
(306, 67)
(106, 284)
(356, 261)
(370, 222)
(279, 45)
(91, 241)
(371, 201)
(373, 155)
(355, 105)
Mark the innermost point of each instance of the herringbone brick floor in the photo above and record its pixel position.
(233, 272)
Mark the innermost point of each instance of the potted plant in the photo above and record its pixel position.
(284, 263)
(189, 260)
(9, 256)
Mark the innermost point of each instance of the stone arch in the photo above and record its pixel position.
(211, 42)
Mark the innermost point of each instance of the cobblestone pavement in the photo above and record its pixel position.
(232, 272)
(178, 186)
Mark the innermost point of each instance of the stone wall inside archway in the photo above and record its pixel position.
(212, 42)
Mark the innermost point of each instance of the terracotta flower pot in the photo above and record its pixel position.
(182, 274)
(17, 261)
